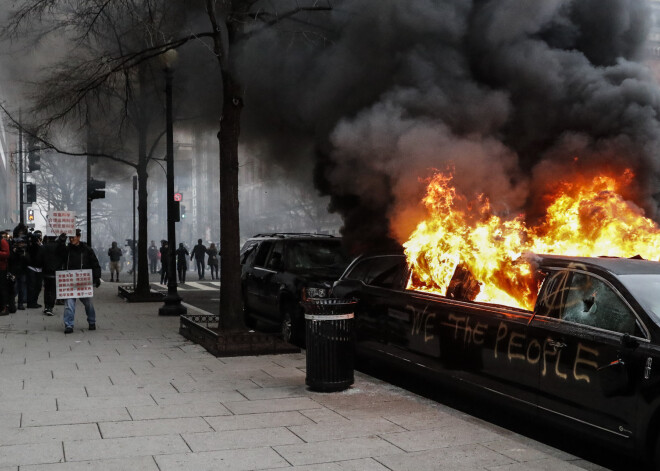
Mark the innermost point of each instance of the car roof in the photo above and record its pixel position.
(615, 265)
(294, 235)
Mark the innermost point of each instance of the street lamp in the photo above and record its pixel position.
(172, 306)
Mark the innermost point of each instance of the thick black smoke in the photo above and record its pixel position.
(511, 93)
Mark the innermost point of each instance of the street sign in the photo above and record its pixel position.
(178, 197)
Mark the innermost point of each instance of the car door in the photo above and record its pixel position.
(254, 278)
(589, 339)
(371, 282)
(487, 346)
(268, 283)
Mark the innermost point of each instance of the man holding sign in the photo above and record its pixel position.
(83, 270)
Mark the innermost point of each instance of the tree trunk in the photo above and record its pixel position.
(142, 286)
(231, 309)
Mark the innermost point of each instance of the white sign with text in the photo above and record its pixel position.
(74, 284)
(61, 222)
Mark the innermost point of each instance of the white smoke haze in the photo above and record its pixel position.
(512, 94)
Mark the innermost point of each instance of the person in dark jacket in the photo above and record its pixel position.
(213, 261)
(115, 254)
(18, 262)
(152, 253)
(54, 257)
(164, 261)
(34, 269)
(80, 256)
(199, 252)
(4, 261)
(182, 262)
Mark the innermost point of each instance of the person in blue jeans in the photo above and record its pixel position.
(199, 252)
(80, 256)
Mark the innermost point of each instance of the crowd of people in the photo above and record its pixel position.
(28, 264)
(159, 260)
(199, 253)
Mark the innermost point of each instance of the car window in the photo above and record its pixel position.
(274, 261)
(359, 270)
(248, 252)
(645, 288)
(585, 299)
(553, 295)
(384, 271)
(262, 253)
(315, 254)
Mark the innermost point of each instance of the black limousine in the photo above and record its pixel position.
(588, 356)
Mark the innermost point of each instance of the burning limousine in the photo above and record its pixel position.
(586, 353)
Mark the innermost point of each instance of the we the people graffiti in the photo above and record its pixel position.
(505, 343)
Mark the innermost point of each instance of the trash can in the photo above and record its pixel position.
(329, 336)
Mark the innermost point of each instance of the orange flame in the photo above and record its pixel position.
(587, 218)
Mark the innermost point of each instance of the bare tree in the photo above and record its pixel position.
(230, 22)
(106, 85)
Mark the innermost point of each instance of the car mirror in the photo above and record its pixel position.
(628, 342)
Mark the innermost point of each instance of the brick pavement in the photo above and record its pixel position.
(134, 395)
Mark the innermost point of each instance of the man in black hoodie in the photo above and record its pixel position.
(54, 257)
(80, 257)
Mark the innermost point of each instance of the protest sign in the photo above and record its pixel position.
(74, 284)
(61, 222)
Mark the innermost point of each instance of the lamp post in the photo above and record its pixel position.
(172, 306)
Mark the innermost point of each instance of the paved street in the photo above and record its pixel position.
(134, 395)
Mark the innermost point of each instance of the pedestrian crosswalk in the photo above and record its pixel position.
(191, 286)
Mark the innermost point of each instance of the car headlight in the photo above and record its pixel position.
(315, 292)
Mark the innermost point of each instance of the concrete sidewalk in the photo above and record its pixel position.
(134, 395)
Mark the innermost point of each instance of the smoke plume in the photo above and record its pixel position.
(509, 93)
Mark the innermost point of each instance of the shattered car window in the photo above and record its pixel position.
(590, 301)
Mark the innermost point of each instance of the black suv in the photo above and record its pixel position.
(281, 269)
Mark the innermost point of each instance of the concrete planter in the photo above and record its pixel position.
(203, 330)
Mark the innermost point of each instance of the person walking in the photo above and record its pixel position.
(80, 256)
(54, 257)
(4, 261)
(198, 252)
(34, 269)
(115, 255)
(212, 252)
(152, 254)
(182, 262)
(164, 261)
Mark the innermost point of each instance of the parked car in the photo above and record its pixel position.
(587, 357)
(280, 269)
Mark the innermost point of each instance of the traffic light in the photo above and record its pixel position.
(30, 215)
(95, 189)
(177, 211)
(33, 162)
(183, 212)
(33, 156)
(30, 193)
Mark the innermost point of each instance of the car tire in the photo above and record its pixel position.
(250, 322)
(289, 327)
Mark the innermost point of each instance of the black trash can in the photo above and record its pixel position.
(330, 337)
